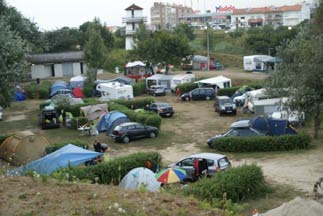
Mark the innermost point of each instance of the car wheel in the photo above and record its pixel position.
(152, 135)
(187, 98)
(125, 139)
(207, 98)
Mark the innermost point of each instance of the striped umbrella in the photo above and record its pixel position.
(171, 175)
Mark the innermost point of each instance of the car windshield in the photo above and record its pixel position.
(225, 101)
(161, 105)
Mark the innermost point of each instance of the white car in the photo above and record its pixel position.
(209, 164)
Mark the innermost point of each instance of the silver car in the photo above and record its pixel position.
(209, 164)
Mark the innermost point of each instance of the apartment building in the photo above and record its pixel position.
(166, 16)
(288, 15)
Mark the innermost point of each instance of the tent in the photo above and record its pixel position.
(69, 155)
(159, 79)
(110, 120)
(140, 177)
(218, 81)
(93, 112)
(78, 92)
(57, 86)
(77, 81)
(271, 126)
(22, 149)
(19, 96)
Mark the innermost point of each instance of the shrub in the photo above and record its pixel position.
(75, 109)
(78, 121)
(135, 104)
(148, 118)
(187, 87)
(51, 148)
(236, 184)
(228, 91)
(114, 170)
(139, 88)
(262, 143)
(31, 91)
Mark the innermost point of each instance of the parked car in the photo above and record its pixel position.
(209, 164)
(133, 130)
(224, 105)
(163, 109)
(199, 94)
(156, 90)
(238, 129)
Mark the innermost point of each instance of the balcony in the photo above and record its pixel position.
(130, 32)
(134, 19)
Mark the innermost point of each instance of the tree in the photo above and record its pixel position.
(300, 75)
(12, 62)
(163, 47)
(185, 30)
(95, 53)
(62, 40)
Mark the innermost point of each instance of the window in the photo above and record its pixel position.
(246, 132)
(188, 162)
(224, 163)
(203, 92)
(131, 127)
(140, 126)
(232, 133)
(210, 162)
(196, 92)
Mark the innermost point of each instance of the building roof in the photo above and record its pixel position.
(133, 7)
(284, 8)
(56, 57)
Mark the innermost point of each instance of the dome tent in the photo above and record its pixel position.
(110, 120)
(22, 149)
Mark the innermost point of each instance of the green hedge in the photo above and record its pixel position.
(135, 104)
(147, 118)
(236, 184)
(187, 87)
(139, 88)
(53, 147)
(41, 91)
(262, 143)
(114, 170)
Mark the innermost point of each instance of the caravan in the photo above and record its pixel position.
(114, 90)
(181, 79)
(259, 62)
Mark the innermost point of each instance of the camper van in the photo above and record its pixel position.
(181, 79)
(251, 97)
(114, 90)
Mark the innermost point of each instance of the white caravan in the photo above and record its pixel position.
(114, 90)
(181, 79)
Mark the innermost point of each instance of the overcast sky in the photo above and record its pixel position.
(53, 14)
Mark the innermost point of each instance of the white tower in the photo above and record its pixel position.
(133, 18)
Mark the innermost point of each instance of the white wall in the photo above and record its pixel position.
(76, 68)
(129, 43)
(41, 71)
(137, 13)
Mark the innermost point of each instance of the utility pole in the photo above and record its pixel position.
(208, 48)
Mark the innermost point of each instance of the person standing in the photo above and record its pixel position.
(178, 93)
(64, 117)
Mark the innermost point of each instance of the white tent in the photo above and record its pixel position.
(219, 81)
(159, 79)
(77, 81)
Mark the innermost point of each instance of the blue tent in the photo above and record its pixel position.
(69, 155)
(110, 120)
(58, 85)
(272, 127)
(19, 96)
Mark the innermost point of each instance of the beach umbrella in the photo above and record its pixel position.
(171, 175)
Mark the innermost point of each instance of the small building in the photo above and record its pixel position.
(217, 82)
(65, 64)
(181, 79)
(137, 70)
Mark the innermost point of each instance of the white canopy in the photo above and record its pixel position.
(135, 63)
(218, 81)
(77, 79)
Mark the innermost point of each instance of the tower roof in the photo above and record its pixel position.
(133, 7)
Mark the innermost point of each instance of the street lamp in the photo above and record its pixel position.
(208, 48)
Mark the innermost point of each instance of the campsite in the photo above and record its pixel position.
(183, 134)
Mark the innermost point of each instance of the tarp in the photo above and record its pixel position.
(110, 120)
(92, 112)
(220, 81)
(78, 92)
(135, 64)
(69, 155)
(58, 85)
(273, 127)
(140, 177)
